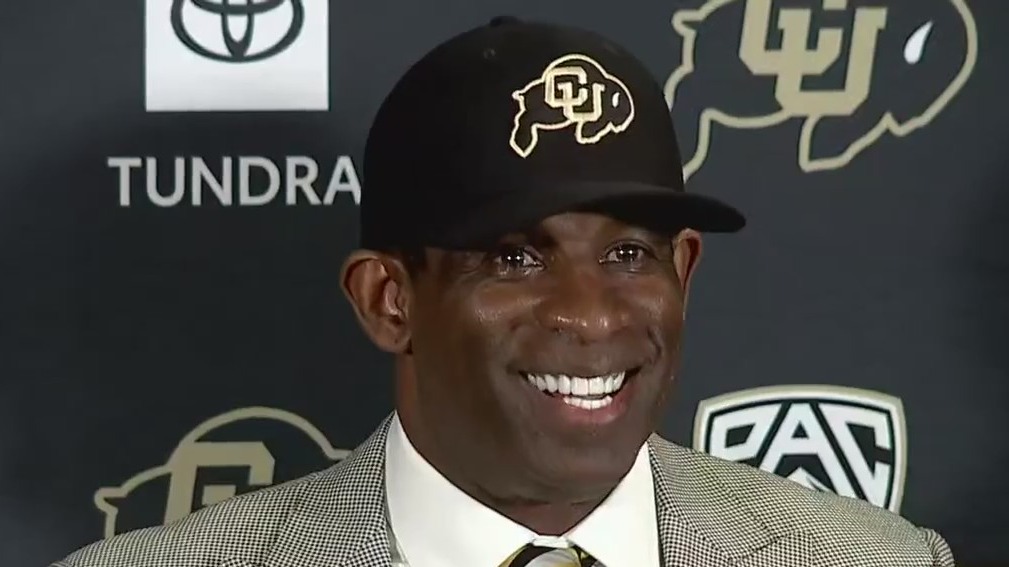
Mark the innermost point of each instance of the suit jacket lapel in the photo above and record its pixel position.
(702, 521)
(339, 518)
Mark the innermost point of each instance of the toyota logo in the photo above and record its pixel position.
(251, 30)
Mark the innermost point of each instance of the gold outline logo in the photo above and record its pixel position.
(793, 62)
(572, 97)
(192, 453)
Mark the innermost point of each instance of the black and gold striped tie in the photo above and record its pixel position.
(536, 556)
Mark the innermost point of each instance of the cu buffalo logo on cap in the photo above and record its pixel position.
(575, 92)
(239, 451)
(237, 32)
(850, 70)
(847, 441)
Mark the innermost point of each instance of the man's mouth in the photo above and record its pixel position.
(585, 392)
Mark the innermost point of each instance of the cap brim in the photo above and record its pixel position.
(656, 208)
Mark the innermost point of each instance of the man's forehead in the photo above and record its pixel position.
(584, 226)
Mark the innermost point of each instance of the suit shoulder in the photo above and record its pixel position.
(786, 507)
(240, 527)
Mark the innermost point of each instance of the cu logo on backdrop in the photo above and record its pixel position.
(238, 32)
(847, 441)
(849, 70)
(240, 451)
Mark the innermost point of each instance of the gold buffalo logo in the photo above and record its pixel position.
(867, 68)
(574, 90)
(228, 454)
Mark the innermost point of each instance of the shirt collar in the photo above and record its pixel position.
(623, 531)
(437, 525)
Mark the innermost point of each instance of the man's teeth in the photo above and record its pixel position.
(587, 393)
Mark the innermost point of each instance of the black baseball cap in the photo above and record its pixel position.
(507, 124)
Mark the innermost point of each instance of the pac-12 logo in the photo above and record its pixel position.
(239, 451)
(847, 441)
(850, 70)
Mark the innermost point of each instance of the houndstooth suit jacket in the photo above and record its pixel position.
(711, 513)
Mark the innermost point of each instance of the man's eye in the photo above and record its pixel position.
(627, 254)
(515, 258)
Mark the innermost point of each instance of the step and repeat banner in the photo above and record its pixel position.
(179, 182)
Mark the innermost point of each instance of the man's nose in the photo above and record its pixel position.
(584, 305)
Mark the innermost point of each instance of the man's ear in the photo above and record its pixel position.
(686, 254)
(378, 288)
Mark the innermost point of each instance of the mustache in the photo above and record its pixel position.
(556, 356)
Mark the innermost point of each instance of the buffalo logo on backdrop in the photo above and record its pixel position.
(847, 441)
(574, 90)
(850, 70)
(239, 451)
(220, 55)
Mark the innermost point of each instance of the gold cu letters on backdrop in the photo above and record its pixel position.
(793, 61)
(189, 459)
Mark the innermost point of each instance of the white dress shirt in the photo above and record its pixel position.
(437, 525)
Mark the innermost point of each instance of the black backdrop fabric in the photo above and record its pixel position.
(174, 208)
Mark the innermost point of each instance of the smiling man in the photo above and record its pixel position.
(527, 251)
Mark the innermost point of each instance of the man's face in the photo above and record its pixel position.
(534, 371)
(538, 369)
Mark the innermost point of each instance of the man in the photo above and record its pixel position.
(527, 250)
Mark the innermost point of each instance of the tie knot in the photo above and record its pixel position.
(538, 556)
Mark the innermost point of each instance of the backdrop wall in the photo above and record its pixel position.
(174, 208)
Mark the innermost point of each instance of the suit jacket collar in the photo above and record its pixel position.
(703, 521)
(340, 513)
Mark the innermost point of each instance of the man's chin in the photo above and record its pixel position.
(576, 475)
